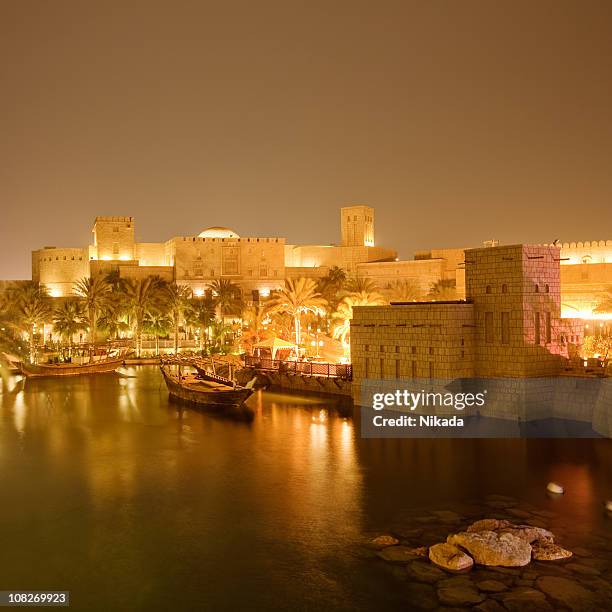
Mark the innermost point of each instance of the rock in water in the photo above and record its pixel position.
(489, 524)
(545, 550)
(608, 505)
(397, 554)
(450, 558)
(384, 540)
(553, 487)
(528, 533)
(490, 548)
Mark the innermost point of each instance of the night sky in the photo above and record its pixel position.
(458, 121)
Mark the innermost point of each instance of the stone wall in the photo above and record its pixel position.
(113, 238)
(414, 341)
(59, 268)
(516, 295)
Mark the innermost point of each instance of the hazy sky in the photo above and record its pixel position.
(458, 121)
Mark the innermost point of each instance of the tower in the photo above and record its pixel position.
(113, 238)
(357, 224)
(516, 295)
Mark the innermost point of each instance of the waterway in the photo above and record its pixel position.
(115, 494)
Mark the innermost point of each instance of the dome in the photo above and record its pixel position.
(218, 232)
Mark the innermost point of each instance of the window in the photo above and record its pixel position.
(488, 289)
(505, 327)
(504, 288)
(547, 288)
(115, 248)
(489, 327)
(431, 370)
(230, 260)
(537, 288)
(414, 369)
(397, 369)
(382, 348)
(116, 230)
(431, 351)
(414, 350)
(263, 271)
(548, 327)
(537, 327)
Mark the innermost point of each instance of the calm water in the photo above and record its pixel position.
(112, 493)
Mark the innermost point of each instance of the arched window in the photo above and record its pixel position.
(547, 288)
(489, 289)
(504, 288)
(537, 288)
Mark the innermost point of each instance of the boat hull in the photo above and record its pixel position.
(225, 401)
(49, 370)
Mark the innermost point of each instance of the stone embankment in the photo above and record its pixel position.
(508, 561)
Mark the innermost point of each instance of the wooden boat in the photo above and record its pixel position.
(103, 366)
(216, 396)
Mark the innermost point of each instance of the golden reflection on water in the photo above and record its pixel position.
(140, 487)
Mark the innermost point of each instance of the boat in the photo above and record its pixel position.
(102, 366)
(216, 394)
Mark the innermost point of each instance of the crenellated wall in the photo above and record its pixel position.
(59, 268)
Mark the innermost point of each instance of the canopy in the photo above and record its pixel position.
(274, 344)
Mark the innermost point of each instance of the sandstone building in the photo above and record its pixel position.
(510, 324)
(256, 264)
(260, 264)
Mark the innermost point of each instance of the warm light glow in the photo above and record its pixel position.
(567, 313)
(265, 292)
(125, 257)
(198, 292)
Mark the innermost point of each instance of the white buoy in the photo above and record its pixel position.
(553, 487)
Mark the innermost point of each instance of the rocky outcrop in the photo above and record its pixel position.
(491, 548)
(528, 533)
(488, 524)
(545, 550)
(450, 558)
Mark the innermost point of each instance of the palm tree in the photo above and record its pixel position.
(405, 290)
(93, 293)
(296, 298)
(226, 297)
(218, 330)
(112, 318)
(344, 314)
(68, 319)
(178, 297)
(157, 323)
(604, 304)
(29, 309)
(331, 285)
(200, 315)
(142, 298)
(443, 290)
(360, 284)
(253, 331)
